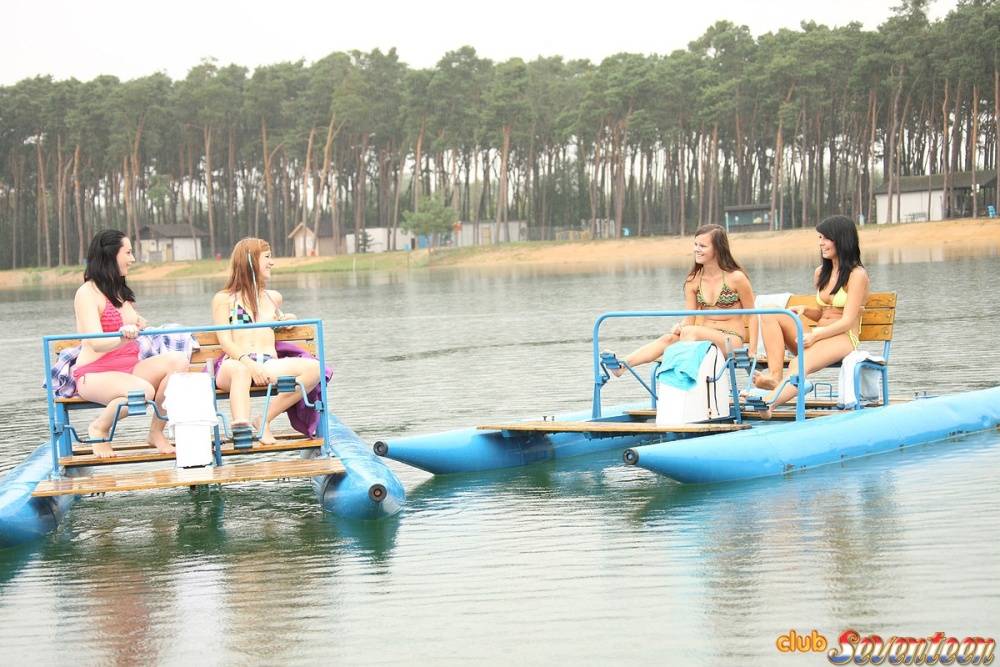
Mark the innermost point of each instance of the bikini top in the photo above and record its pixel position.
(839, 299)
(111, 319)
(240, 315)
(728, 297)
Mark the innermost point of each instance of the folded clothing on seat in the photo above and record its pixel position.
(681, 360)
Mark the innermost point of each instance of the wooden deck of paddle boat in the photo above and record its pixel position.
(167, 478)
(611, 427)
(347, 478)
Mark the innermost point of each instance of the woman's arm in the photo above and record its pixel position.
(278, 301)
(87, 306)
(741, 283)
(220, 315)
(857, 294)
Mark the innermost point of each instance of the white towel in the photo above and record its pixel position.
(871, 379)
(778, 300)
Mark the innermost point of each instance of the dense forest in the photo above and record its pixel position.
(808, 121)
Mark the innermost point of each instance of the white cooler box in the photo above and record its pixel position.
(190, 406)
(708, 399)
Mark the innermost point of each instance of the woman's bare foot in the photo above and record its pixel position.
(103, 450)
(765, 381)
(267, 438)
(161, 443)
(96, 431)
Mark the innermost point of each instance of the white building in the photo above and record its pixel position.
(922, 197)
(378, 240)
(170, 243)
(304, 241)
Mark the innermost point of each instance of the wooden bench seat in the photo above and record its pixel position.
(208, 352)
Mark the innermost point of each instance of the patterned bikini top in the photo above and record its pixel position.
(240, 315)
(728, 297)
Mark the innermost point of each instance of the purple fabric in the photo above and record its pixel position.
(303, 419)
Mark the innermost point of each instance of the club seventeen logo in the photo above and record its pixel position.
(853, 648)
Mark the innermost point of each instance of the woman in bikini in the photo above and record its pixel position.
(842, 288)
(109, 368)
(716, 282)
(250, 355)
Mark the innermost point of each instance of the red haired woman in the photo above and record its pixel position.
(250, 355)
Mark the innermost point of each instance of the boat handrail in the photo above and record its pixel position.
(800, 400)
(57, 428)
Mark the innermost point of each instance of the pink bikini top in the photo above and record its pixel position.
(111, 319)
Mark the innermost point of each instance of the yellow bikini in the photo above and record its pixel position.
(839, 300)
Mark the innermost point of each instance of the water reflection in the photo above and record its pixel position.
(580, 556)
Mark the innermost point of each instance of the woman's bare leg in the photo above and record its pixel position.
(821, 354)
(648, 352)
(234, 377)
(774, 331)
(157, 371)
(305, 371)
(725, 342)
(109, 389)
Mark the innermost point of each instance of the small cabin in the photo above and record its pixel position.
(170, 243)
(921, 198)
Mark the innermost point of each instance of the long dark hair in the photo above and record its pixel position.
(102, 267)
(720, 241)
(841, 230)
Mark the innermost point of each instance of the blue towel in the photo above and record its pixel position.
(681, 360)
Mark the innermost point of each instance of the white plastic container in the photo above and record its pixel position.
(708, 399)
(191, 416)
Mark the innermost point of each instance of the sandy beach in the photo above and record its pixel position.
(928, 241)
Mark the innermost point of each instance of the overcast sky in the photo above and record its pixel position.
(132, 38)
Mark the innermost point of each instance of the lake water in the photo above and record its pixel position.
(583, 560)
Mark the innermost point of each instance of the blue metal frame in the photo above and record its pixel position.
(61, 432)
(800, 409)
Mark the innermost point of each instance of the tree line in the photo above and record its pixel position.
(808, 121)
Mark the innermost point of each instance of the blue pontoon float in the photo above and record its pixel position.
(348, 480)
(816, 431)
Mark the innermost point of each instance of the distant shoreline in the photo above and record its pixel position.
(921, 241)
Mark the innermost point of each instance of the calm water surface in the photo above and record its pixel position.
(583, 560)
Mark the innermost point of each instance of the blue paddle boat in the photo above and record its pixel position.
(736, 445)
(348, 480)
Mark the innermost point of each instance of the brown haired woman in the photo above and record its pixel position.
(250, 355)
(716, 282)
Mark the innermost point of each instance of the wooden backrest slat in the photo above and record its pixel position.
(876, 320)
(303, 336)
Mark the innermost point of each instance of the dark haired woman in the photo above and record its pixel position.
(109, 368)
(842, 287)
(716, 282)
(250, 355)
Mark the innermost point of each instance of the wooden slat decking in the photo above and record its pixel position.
(166, 478)
(616, 428)
(144, 453)
(131, 446)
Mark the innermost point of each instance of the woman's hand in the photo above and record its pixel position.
(811, 337)
(288, 316)
(798, 310)
(141, 322)
(258, 375)
(129, 331)
(676, 330)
